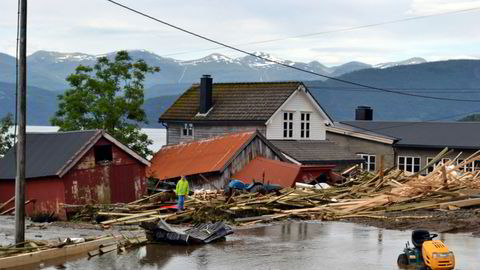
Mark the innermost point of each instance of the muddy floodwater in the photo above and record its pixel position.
(295, 245)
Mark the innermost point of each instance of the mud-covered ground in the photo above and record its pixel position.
(58, 230)
(457, 221)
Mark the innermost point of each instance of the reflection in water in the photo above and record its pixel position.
(159, 255)
(329, 245)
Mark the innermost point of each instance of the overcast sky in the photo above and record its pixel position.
(97, 27)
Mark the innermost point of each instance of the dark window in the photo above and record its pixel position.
(369, 164)
(305, 125)
(409, 164)
(187, 130)
(103, 153)
(288, 124)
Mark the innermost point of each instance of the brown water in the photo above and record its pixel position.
(298, 246)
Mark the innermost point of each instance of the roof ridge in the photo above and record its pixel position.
(65, 132)
(271, 82)
(209, 138)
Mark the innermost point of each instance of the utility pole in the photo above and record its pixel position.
(22, 119)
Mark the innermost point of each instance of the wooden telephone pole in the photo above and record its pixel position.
(22, 121)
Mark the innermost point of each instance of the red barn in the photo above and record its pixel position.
(79, 167)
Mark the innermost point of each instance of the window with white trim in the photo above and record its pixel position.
(187, 130)
(288, 125)
(476, 165)
(304, 125)
(408, 164)
(431, 167)
(369, 164)
(441, 162)
(466, 167)
(445, 160)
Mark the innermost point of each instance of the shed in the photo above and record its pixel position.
(210, 163)
(78, 167)
(281, 173)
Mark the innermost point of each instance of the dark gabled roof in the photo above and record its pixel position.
(316, 152)
(53, 154)
(457, 135)
(254, 101)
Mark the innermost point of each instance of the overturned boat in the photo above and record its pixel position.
(204, 233)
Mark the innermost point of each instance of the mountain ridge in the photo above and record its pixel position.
(49, 69)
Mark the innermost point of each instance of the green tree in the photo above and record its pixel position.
(108, 96)
(6, 138)
(471, 118)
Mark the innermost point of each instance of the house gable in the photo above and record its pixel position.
(300, 102)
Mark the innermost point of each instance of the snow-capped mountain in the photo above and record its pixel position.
(58, 57)
(212, 58)
(49, 69)
(411, 61)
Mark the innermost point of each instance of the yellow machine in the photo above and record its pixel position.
(437, 256)
(426, 253)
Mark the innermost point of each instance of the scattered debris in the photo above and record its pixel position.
(30, 252)
(364, 195)
(160, 231)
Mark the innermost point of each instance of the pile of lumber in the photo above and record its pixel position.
(447, 187)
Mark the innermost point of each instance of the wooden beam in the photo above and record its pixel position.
(53, 253)
(7, 202)
(13, 208)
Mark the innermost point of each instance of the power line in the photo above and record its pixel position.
(286, 65)
(404, 90)
(335, 31)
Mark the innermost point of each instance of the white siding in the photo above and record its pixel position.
(297, 104)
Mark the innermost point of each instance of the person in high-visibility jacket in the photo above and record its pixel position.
(182, 192)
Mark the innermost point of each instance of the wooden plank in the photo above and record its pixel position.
(53, 253)
(129, 217)
(13, 208)
(7, 202)
(109, 248)
(462, 203)
(94, 253)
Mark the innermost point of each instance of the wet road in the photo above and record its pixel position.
(298, 246)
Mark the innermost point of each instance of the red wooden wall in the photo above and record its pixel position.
(122, 180)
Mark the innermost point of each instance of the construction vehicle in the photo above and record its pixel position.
(426, 253)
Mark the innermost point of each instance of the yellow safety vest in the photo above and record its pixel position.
(182, 187)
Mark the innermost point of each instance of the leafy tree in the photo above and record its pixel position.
(471, 118)
(6, 139)
(108, 96)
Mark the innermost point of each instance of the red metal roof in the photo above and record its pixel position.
(278, 172)
(269, 171)
(200, 156)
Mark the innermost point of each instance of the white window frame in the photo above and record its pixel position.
(305, 125)
(188, 129)
(432, 167)
(287, 130)
(469, 167)
(369, 164)
(404, 166)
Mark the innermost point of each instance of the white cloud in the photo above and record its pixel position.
(427, 7)
(97, 27)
